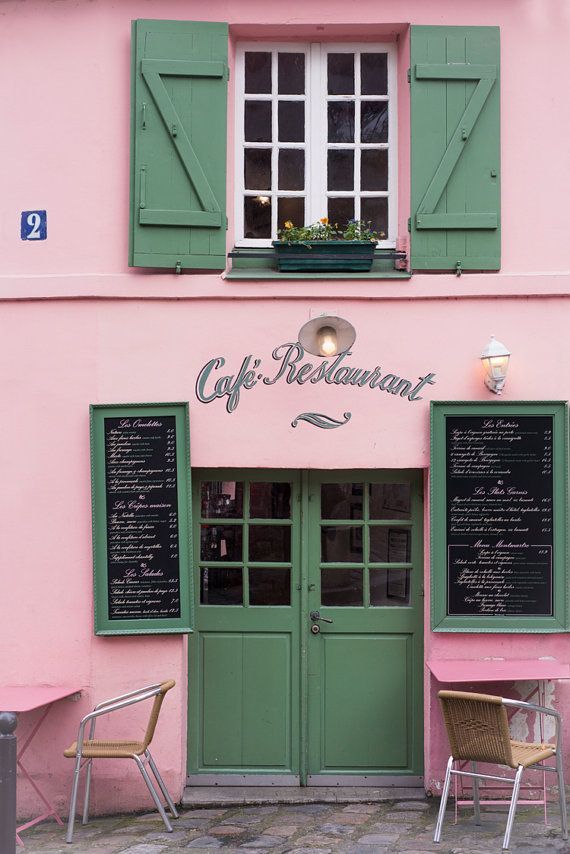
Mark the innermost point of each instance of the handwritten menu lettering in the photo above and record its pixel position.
(142, 518)
(499, 515)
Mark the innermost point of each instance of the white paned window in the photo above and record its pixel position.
(315, 136)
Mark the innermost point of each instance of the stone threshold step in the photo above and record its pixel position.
(228, 796)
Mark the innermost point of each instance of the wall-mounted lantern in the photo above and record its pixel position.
(495, 358)
(327, 335)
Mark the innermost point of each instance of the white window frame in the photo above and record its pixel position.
(316, 145)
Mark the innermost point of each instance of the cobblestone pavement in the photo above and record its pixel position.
(405, 826)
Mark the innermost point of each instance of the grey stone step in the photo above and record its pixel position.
(218, 796)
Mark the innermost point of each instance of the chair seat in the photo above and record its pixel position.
(96, 749)
(526, 754)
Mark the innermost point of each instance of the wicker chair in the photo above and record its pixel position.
(478, 731)
(85, 750)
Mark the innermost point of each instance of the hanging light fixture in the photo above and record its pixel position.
(327, 335)
(495, 358)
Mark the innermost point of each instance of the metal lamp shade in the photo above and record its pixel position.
(309, 334)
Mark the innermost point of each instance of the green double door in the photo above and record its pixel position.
(306, 662)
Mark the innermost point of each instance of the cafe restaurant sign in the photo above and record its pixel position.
(214, 382)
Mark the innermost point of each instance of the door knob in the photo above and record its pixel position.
(316, 616)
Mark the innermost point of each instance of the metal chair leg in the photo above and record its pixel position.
(562, 795)
(87, 792)
(160, 781)
(443, 804)
(153, 792)
(513, 807)
(476, 804)
(73, 802)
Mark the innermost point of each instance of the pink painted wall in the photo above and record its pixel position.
(79, 327)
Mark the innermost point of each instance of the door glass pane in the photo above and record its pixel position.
(221, 543)
(222, 499)
(341, 587)
(374, 169)
(341, 121)
(220, 586)
(292, 210)
(341, 501)
(340, 169)
(341, 211)
(389, 586)
(390, 501)
(258, 121)
(270, 501)
(269, 586)
(341, 544)
(291, 74)
(374, 121)
(340, 67)
(257, 168)
(258, 73)
(374, 73)
(270, 543)
(291, 115)
(257, 216)
(390, 545)
(291, 169)
(376, 212)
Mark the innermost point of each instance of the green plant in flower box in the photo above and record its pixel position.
(323, 246)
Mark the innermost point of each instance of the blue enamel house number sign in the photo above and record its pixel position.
(33, 225)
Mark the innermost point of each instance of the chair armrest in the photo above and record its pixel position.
(126, 696)
(532, 707)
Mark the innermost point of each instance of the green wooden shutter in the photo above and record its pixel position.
(178, 144)
(455, 148)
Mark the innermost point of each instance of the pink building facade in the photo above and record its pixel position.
(80, 327)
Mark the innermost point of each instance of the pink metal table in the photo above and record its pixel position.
(539, 670)
(25, 699)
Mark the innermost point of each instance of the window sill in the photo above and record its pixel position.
(260, 264)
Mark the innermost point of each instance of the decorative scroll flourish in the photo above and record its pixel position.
(317, 419)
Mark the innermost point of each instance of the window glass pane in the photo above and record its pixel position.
(291, 169)
(341, 544)
(341, 500)
(270, 501)
(341, 211)
(389, 586)
(374, 169)
(375, 211)
(374, 73)
(220, 543)
(292, 210)
(374, 121)
(258, 121)
(269, 586)
(221, 586)
(221, 499)
(340, 67)
(258, 73)
(340, 121)
(390, 501)
(340, 169)
(270, 543)
(291, 74)
(390, 545)
(257, 216)
(257, 168)
(341, 587)
(291, 116)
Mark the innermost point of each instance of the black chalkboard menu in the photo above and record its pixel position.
(499, 512)
(140, 465)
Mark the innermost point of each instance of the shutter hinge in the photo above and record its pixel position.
(227, 226)
(409, 75)
(458, 270)
(410, 224)
(421, 591)
(178, 268)
(227, 73)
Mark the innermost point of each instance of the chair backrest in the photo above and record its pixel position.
(155, 710)
(477, 727)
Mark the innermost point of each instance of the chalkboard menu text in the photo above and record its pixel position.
(499, 511)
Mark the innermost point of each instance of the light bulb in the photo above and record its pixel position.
(326, 337)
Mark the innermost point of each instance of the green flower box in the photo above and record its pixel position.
(321, 256)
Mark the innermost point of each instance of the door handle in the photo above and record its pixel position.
(316, 617)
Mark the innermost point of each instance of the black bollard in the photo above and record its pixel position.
(8, 723)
